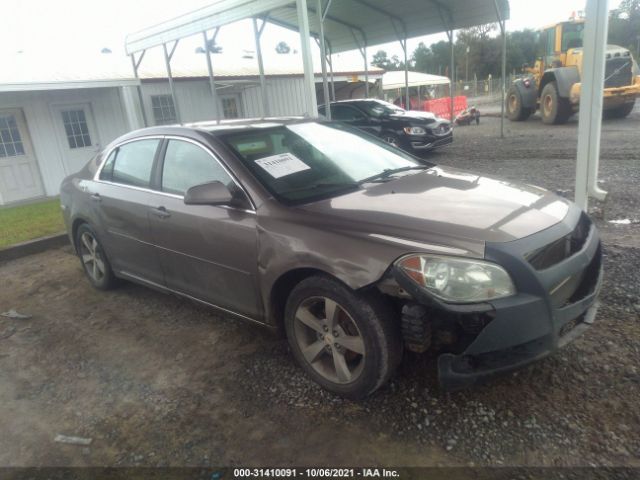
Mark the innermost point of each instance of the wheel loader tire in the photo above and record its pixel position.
(515, 111)
(621, 111)
(554, 109)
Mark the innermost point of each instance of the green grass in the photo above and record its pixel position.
(26, 222)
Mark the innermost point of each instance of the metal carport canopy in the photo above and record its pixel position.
(381, 21)
(341, 25)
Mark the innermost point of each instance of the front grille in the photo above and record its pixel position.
(560, 249)
(618, 72)
(579, 285)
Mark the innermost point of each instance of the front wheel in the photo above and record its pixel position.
(391, 139)
(346, 342)
(621, 111)
(554, 109)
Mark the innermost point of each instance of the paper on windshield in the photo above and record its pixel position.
(282, 164)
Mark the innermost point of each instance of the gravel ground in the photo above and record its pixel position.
(155, 380)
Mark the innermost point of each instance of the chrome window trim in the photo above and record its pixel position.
(96, 177)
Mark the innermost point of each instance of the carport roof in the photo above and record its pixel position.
(348, 23)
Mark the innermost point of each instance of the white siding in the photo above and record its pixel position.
(112, 118)
(107, 111)
(286, 97)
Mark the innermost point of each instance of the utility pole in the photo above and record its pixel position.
(466, 68)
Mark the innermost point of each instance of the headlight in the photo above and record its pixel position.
(458, 280)
(415, 131)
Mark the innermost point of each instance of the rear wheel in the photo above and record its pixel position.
(516, 112)
(621, 111)
(346, 342)
(554, 109)
(93, 259)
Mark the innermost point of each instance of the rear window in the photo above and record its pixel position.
(131, 163)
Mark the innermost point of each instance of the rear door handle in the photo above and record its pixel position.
(96, 197)
(161, 212)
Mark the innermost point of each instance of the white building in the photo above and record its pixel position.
(55, 114)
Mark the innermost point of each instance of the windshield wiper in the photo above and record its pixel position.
(385, 174)
(317, 185)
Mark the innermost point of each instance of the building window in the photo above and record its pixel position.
(75, 126)
(230, 107)
(163, 110)
(10, 140)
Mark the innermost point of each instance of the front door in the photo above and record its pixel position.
(207, 252)
(77, 134)
(19, 173)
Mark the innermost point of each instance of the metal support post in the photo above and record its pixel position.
(167, 60)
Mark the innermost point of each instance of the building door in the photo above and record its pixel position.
(78, 136)
(19, 173)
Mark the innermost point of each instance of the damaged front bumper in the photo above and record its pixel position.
(556, 302)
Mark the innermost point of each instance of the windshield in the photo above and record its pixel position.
(572, 35)
(307, 161)
(378, 108)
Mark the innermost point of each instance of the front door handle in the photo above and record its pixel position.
(96, 197)
(161, 212)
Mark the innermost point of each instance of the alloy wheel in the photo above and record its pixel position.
(391, 141)
(91, 255)
(329, 340)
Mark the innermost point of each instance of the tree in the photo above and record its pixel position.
(213, 46)
(282, 48)
(624, 26)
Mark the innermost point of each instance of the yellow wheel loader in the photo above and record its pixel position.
(553, 83)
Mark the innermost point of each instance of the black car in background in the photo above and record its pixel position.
(412, 131)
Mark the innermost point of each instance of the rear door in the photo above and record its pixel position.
(207, 252)
(121, 198)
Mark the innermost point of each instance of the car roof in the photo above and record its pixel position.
(215, 127)
(355, 101)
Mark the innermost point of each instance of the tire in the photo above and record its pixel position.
(515, 111)
(94, 261)
(354, 351)
(391, 139)
(621, 111)
(554, 109)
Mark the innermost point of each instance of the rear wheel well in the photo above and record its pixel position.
(74, 230)
(282, 288)
(546, 78)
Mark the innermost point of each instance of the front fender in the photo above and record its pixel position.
(565, 78)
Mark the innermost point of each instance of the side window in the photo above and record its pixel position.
(107, 171)
(132, 163)
(344, 113)
(551, 41)
(187, 165)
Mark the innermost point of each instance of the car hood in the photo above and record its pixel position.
(443, 206)
(415, 116)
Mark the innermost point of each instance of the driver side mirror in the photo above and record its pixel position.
(212, 193)
(217, 193)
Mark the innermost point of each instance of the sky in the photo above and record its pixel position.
(70, 27)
